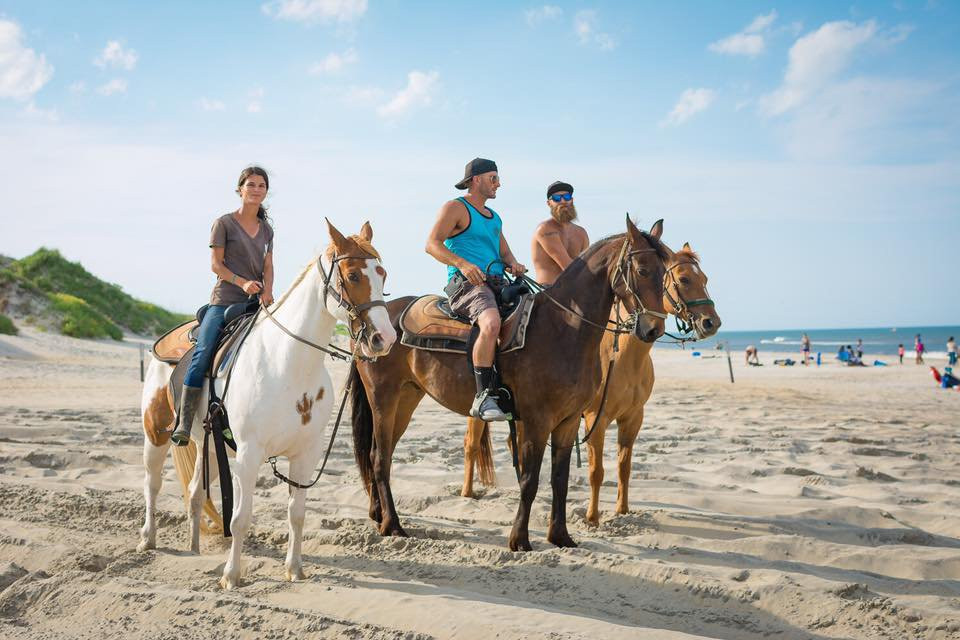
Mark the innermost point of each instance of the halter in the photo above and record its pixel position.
(681, 306)
(627, 275)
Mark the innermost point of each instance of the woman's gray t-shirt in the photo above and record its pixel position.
(242, 254)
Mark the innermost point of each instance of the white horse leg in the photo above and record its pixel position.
(244, 481)
(153, 457)
(300, 471)
(197, 496)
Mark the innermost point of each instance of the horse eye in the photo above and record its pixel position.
(644, 272)
(684, 280)
(353, 277)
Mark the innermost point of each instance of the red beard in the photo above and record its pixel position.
(563, 213)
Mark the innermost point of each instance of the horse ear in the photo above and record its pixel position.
(686, 246)
(657, 229)
(335, 234)
(632, 231)
(366, 231)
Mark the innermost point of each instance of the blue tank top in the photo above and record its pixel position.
(479, 243)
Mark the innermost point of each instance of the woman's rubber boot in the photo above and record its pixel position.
(191, 401)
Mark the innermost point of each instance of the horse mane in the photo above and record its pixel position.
(690, 254)
(293, 285)
(655, 244)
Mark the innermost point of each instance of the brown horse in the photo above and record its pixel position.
(553, 377)
(685, 296)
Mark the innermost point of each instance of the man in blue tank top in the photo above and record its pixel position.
(468, 238)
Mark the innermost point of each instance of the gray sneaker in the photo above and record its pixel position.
(486, 408)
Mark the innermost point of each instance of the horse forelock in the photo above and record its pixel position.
(689, 254)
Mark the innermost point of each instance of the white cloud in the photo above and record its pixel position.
(542, 14)
(750, 41)
(314, 11)
(255, 105)
(117, 85)
(334, 63)
(115, 56)
(211, 105)
(35, 112)
(417, 94)
(691, 102)
(585, 25)
(815, 60)
(363, 96)
(22, 71)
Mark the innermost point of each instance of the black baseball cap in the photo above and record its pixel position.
(475, 167)
(559, 186)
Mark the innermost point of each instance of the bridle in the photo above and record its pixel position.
(353, 312)
(681, 306)
(626, 274)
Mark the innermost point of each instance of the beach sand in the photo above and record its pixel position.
(796, 503)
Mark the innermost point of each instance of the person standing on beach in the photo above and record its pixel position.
(557, 240)
(951, 351)
(805, 341)
(918, 347)
(468, 238)
(900, 352)
(859, 349)
(241, 254)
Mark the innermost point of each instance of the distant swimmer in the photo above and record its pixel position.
(557, 240)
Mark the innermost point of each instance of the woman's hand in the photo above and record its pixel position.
(252, 287)
(266, 297)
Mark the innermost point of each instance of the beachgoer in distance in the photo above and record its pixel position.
(918, 348)
(557, 240)
(900, 352)
(751, 355)
(241, 254)
(951, 351)
(805, 341)
(859, 349)
(468, 238)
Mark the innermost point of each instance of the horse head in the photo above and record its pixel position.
(638, 280)
(354, 279)
(685, 293)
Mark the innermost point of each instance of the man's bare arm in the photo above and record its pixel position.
(452, 215)
(552, 243)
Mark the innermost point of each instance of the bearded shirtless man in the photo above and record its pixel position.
(557, 240)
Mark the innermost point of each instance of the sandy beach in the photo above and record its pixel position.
(799, 503)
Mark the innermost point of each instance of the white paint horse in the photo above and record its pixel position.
(280, 393)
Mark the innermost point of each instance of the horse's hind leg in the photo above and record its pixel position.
(627, 430)
(244, 482)
(471, 449)
(563, 440)
(196, 494)
(595, 463)
(153, 458)
(300, 469)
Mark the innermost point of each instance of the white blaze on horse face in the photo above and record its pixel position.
(378, 315)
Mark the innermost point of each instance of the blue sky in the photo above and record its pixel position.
(809, 151)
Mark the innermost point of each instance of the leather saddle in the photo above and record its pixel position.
(176, 346)
(429, 323)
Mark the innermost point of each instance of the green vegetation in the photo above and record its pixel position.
(80, 320)
(7, 327)
(105, 307)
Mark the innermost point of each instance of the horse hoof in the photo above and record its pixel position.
(146, 545)
(229, 584)
(296, 575)
(520, 545)
(564, 541)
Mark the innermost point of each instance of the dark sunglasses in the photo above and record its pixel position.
(566, 197)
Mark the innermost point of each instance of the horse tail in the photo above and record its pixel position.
(184, 461)
(485, 472)
(361, 417)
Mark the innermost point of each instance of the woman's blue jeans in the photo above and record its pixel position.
(206, 345)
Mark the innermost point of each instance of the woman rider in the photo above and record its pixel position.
(241, 245)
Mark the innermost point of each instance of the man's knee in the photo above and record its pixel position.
(489, 322)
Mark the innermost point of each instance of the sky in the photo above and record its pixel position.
(809, 151)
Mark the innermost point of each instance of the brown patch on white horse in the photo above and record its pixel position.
(158, 418)
(304, 407)
(320, 393)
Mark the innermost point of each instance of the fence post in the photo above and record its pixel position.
(729, 362)
(141, 362)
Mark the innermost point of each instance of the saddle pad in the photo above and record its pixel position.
(425, 326)
(171, 346)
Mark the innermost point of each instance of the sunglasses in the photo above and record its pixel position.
(565, 197)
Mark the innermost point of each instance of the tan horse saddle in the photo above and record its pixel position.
(176, 346)
(429, 323)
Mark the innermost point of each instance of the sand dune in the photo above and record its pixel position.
(796, 503)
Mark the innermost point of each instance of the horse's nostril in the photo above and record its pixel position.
(376, 341)
(707, 323)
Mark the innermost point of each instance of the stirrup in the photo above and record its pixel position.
(486, 407)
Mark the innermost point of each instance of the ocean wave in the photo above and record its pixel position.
(828, 343)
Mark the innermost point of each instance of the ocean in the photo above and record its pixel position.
(880, 340)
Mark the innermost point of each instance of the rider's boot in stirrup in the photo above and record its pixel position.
(190, 402)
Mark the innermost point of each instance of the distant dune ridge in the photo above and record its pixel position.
(49, 292)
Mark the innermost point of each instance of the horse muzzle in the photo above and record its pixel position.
(648, 328)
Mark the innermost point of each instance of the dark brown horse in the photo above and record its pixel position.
(553, 377)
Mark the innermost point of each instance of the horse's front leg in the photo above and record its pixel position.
(301, 471)
(531, 457)
(244, 481)
(563, 440)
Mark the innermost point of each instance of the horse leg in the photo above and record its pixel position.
(244, 481)
(196, 495)
(595, 462)
(627, 430)
(471, 448)
(387, 432)
(531, 457)
(153, 458)
(296, 510)
(563, 440)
